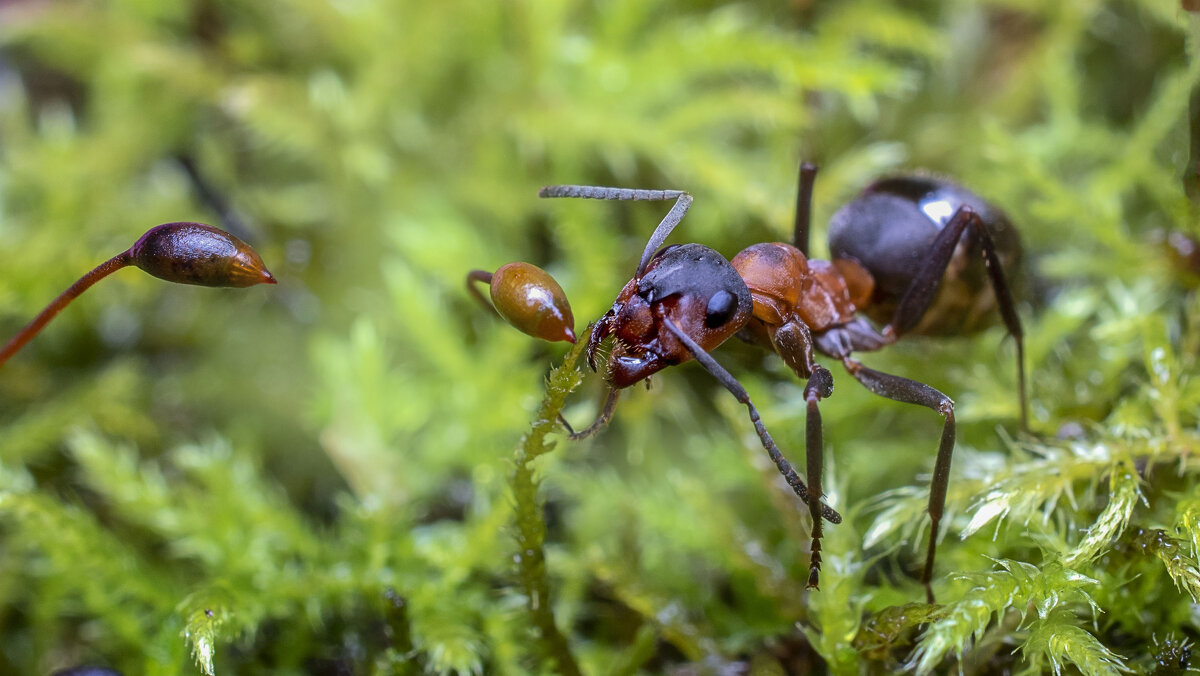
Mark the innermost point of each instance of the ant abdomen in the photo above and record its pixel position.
(889, 230)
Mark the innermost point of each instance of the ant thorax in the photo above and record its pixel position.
(785, 284)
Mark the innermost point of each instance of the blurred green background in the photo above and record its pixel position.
(196, 479)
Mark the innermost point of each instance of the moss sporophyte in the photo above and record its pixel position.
(185, 253)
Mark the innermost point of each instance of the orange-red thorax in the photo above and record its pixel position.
(786, 284)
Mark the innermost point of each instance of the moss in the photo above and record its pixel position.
(315, 477)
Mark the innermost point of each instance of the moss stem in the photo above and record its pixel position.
(531, 526)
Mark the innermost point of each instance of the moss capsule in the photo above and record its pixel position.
(529, 299)
(185, 253)
(194, 253)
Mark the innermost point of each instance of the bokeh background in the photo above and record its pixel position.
(313, 477)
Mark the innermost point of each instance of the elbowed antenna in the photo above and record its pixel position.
(683, 201)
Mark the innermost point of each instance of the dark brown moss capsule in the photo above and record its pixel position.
(186, 253)
(527, 297)
(194, 253)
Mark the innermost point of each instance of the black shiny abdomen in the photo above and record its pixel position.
(889, 230)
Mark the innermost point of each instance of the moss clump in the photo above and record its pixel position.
(316, 480)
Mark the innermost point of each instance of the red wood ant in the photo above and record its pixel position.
(893, 248)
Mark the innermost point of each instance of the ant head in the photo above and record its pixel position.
(690, 285)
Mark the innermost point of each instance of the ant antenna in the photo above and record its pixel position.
(682, 199)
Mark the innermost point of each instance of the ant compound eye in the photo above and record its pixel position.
(721, 308)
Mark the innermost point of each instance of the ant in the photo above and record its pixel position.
(892, 248)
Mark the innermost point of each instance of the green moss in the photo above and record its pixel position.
(318, 477)
(530, 524)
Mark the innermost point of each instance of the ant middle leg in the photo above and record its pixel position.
(793, 342)
(924, 287)
(913, 392)
(820, 385)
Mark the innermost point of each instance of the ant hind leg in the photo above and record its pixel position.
(808, 177)
(913, 392)
(923, 289)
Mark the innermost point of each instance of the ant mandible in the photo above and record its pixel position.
(892, 247)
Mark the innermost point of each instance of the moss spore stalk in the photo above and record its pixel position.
(184, 253)
(531, 527)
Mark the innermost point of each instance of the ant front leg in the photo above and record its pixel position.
(597, 332)
(602, 419)
(793, 342)
(923, 289)
(820, 385)
(913, 392)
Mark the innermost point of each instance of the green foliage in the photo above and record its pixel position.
(318, 477)
(1059, 641)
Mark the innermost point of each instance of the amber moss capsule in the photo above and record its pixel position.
(529, 299)
(194, 253)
